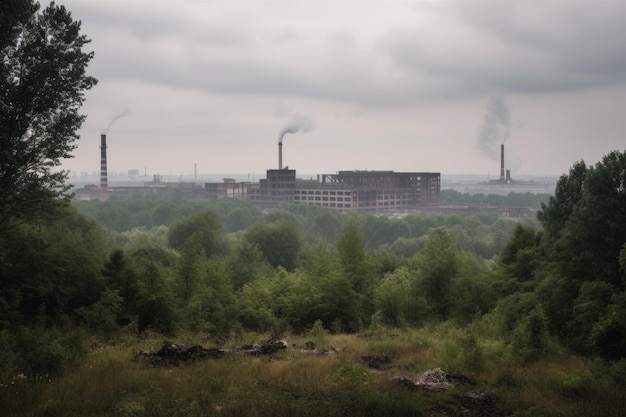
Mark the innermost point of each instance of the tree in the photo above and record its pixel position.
(520, 256)
(42, 85)
(393, 298)
(246, 264)
(279, 242)
(596, 231)
(568, 192)
(122, 279)
(351, 247)
(54, 267)
(437, 268)
(206, 224)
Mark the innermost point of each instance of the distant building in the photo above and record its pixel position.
(343, 191)
(348, 190)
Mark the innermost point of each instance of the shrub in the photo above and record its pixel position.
(42, 351)
(317, 332)
(462, 353)
(354, 375)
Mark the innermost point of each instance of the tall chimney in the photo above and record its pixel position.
(104, 187)
(280, 155)
(502, 162)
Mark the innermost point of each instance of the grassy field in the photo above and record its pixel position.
(113, 381)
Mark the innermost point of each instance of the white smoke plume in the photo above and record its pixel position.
(117, 113)
(496, 127)
(296, 124)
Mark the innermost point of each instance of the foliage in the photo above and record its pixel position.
(279, 242)
(569, 190)
(103, 315)
(47, 351)
(42, 84)
(519, 320)
(351, 249)
(437, 263)
(394, 298)
(462, 353)
(511, 199)
(53, 267)
(205, 225)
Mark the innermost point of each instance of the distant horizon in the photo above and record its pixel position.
(124, 176)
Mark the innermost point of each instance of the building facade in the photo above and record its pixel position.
(349, 190)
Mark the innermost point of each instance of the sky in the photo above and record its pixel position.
(190, 86)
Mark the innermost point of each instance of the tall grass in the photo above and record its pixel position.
(108, 382)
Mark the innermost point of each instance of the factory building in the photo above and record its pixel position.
(277, 188)
(347, 190)
(343, 191)
(227, 189)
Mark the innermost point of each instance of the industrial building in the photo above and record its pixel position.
(343, 191)
(346, 190)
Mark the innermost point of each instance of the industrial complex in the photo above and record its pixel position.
(345, 191)
(342, 191)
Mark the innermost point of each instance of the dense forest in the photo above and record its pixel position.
(227, 267)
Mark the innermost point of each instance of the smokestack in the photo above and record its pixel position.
(502, 162)
(280, 155)
(104, 187)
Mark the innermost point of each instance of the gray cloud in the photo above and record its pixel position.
(220, 68)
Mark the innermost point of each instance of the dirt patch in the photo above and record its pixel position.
(378, 362)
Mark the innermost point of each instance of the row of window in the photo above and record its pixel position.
(322, 192)
(319, 198)
(333, 205)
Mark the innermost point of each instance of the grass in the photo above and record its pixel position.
(108, 382)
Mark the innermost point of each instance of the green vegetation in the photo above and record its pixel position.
(508, 303)
(42, 86)
(490, 298)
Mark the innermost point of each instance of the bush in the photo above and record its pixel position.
(7, 356)
(354, 375)
(102, 316)
(47, 352)
(462, 353)
(318, 332)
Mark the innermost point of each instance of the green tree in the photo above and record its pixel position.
(279, 242)
(394, 298)
(351, 248)
(206, 224)
(520, 257)
(123, 280)
(326, 225)
(589, 308)
(245, 264)
(569, 190)
(438, 266)
(42, 85)
(473, 290)
(596, 231)
(54, 267)
(190, 268)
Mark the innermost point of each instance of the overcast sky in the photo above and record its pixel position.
(374, 85)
